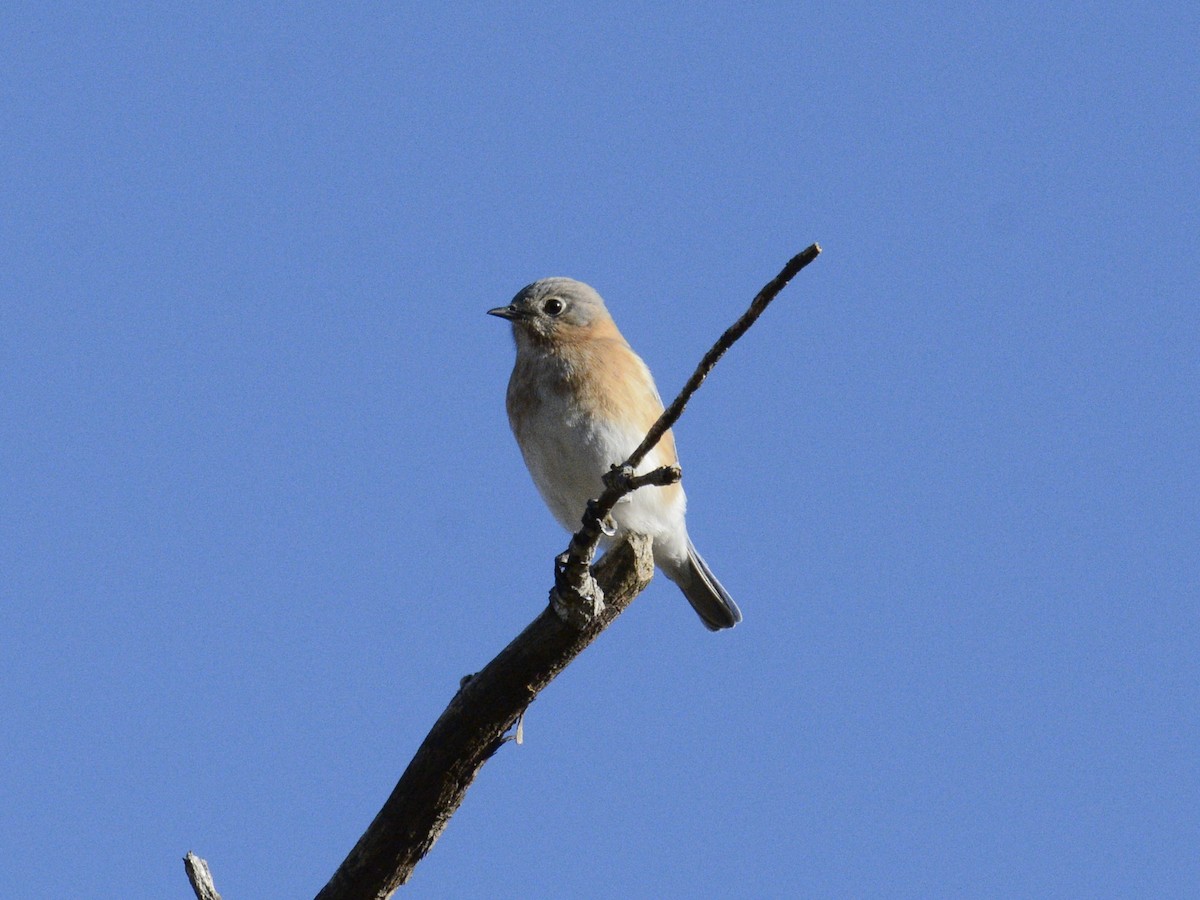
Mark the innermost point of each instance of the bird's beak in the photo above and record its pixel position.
(505, 312)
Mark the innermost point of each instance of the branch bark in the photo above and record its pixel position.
(472, 729)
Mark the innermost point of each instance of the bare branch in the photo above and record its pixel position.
(200, 878)
(769, 292)
(473, 727)
(574, 595)
(490, 703)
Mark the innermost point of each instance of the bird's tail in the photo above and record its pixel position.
(708, 598)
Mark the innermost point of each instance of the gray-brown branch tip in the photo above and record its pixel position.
(200, 877)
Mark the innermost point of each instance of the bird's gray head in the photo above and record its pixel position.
(554, 310)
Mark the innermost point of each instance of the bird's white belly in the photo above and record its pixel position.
(567, 454)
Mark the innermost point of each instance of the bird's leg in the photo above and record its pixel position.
(607, 525)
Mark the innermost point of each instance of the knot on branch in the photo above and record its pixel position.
(576, 597)
(578, 607)
(618, 478)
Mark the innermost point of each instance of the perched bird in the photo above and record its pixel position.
(580, 400)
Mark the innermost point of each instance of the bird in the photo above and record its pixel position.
(579, 401)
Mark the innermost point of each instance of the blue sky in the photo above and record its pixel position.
(261, 509)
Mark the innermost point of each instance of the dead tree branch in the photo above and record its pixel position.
(585, 600)
(472, 728)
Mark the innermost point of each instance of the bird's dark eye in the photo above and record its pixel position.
(553, 306)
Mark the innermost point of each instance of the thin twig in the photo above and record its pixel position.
(573, 584)
(769, 292)
(200, 878)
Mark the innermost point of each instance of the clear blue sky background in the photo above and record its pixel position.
(261, 508)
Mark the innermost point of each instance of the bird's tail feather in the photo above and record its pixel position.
(708, 598)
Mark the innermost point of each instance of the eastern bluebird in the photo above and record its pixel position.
(580, 400)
